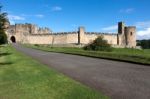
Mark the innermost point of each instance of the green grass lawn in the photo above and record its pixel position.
(121, 54)
(21, 77)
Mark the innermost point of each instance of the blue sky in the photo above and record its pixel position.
(94, 15)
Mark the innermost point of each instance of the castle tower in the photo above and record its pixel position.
(34, 29)
(130, 36)
(81, 35)
(121, 26)
(121, 37)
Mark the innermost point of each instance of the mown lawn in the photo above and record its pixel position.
(120, 54)
(21, 77)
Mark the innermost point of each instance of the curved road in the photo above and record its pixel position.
(119, 80)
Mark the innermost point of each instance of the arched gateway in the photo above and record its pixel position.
(13, 39)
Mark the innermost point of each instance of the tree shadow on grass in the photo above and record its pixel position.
(5, 63)
(5, 54)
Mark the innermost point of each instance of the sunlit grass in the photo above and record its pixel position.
(21, 77)
(121, 54)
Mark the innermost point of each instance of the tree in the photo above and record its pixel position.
(99, 44)
(145, 44)
(3, 37)
(3, 21)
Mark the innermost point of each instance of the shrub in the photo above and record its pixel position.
(99, 44)
(145, 44)
(36, 45)
(3, 37)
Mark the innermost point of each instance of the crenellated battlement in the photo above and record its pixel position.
(98, 33)
(29, 29)
(61, 33)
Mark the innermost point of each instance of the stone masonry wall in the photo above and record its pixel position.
(31, 34)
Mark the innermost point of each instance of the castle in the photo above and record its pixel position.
(32, 34)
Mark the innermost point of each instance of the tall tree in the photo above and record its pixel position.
(3, 21)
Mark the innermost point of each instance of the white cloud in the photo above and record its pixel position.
(144, 34)
(143, 30)
(15, 17)
(56, 8)
(128, 10)
(12, 22)
(39, 15)
(6, 11)
(110, 28)
(36, 15)
(144, 24)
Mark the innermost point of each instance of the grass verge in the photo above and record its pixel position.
(119, 54)
(21, 77)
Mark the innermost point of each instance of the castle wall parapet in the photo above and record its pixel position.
(100, 33)
(61, 33)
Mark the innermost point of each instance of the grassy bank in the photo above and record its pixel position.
(120, 54)
(21, 77)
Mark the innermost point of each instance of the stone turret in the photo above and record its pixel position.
(121, 26)
(126, 35)
(81, 34)
(130, 36)
(121, 37)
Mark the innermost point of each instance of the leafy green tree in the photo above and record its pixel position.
(145, 44)
(3, 37)
(3, 21)
(99, 44)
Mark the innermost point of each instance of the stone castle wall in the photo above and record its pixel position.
(51, 39)
(111, 38)
(31, 34)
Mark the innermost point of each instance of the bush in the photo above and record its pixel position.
(99, 44)
(145, 44)
(3, 37)
(36, 45)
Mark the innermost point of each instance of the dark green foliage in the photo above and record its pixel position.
(99, 44)
(36, 45)
(3, 37)
(3, 20)
(145, 44)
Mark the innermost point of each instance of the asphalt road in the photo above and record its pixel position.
(119, 80)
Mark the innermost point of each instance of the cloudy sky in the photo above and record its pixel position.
(94, 15)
